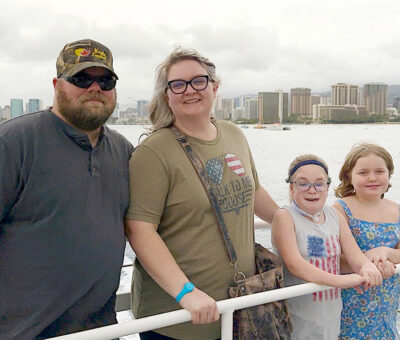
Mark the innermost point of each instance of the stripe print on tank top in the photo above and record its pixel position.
(325, 259)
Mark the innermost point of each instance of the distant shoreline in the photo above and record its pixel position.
(285, 124)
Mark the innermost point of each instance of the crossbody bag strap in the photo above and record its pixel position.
(201, 172)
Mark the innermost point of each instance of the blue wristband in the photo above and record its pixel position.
(187, 288)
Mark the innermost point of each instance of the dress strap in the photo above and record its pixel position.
(399, 213)
(345, 208)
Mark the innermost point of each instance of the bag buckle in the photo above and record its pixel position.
(238, 277)
(234, 264)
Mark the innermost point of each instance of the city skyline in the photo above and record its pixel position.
(139, 102)
(345, 102)
(257, 46)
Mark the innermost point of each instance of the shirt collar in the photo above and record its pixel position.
(79, 137)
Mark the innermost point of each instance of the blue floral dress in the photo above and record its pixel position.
(371, 315)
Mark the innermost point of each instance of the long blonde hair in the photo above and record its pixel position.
(160, 113)
(345, 187)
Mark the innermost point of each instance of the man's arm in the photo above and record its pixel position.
(9, 179)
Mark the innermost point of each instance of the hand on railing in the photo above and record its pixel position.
(349, 281)
(201, 306)
(226, 307)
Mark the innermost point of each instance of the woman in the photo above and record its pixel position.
(170, 223)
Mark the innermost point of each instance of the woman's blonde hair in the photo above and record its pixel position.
(345, 187)
(160, 113)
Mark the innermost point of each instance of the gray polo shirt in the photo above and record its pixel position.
(62, 205)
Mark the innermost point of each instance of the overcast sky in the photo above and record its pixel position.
(259, 45)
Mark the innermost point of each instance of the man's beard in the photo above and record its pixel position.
(84, 117)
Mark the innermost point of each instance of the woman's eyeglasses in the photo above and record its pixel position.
(84, 81)
(179, 86)
(305, 186)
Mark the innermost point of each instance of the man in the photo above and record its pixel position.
(63, 196)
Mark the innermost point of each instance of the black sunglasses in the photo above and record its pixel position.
(84, 81)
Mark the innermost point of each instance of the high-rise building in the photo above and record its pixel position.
(17, 107)
(238, 102)
(219, 113)
(315, 100)
(375, 98)
(238, 113)
(300, 101)
(338, 112)
(251, 108)
(325, 100)
(115, 113)
(272, 107)
(344, 94)
(396, 103)
(227, 106)
(6, 112)
(360, 97)
(34, 105)
(143, 108)
(218, 102)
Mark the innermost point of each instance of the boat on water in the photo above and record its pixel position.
(274, 127)
(277, 127)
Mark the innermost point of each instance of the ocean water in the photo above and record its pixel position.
(274, 150)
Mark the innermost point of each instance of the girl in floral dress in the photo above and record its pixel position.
(375, 225)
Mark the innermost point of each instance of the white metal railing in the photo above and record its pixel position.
(226, 308)
(124, 298)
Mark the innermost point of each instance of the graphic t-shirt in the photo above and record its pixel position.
(166, 191)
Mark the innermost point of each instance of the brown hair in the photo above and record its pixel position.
(345, 187)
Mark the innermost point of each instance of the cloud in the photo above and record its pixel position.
(262, 47)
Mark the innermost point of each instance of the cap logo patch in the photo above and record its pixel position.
(82, 52)
(99, 54)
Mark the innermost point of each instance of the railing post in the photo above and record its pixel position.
(227, 324)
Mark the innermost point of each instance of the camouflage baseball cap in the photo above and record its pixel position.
(79, 55)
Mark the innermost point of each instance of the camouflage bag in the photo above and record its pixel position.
(270, 321)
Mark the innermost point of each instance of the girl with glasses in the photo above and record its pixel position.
(181, 258)
(310, 237)
(375, 224)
